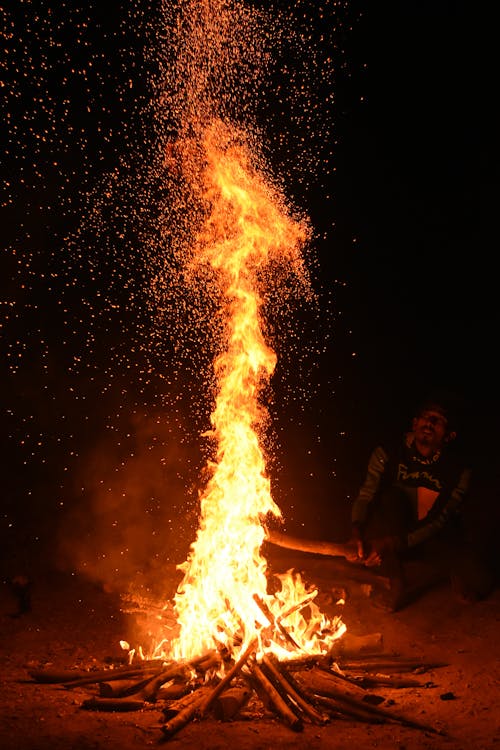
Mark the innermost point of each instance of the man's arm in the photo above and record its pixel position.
(376, 467)
(359, 514)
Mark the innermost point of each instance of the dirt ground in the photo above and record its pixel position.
(75, 624)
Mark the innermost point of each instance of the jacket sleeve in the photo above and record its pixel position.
(446, 506)
(376, 468)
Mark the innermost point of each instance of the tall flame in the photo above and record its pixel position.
(246, 226)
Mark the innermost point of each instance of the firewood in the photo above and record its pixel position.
(106, 675)
(119, 688)
(56, 675)
(273, 621)
(230, 675)
(391, 665)
(345, 695)
(329, 683)
(113, 704)
(227, 705)
(173, 691)
(338, 709)
(283, 681)
(330, 549)
(276, 700)
(186, 713)
(350, 645)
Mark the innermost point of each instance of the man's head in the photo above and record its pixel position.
(434, 425)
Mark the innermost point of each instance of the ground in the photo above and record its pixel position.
(74, 623)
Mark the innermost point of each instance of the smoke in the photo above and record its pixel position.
(135, 506)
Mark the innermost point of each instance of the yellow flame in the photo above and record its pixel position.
(246, 227)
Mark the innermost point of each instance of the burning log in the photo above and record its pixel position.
(291, 689)
(229, 676)
(273, 621)
(273, 697)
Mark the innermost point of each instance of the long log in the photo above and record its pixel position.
(330, 549)
(290, 688)
(391, 665)
(186, 713)
(280, 706)
(350, 645)
(235, 669)
(344, 695)
(113, 704)
(52, 676)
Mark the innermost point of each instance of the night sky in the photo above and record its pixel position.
(398, 184)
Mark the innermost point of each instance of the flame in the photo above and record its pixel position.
(223, 598)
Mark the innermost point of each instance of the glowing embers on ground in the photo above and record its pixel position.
(223, 598)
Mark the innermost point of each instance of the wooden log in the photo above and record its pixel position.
(119, 688)
(289, 688)
(391, 665)
(107, 675)
(113, 704)
(186, 713)
(330, 549)
(230, 675)
(227, 705)
(329, 683)
(274, 622)
(337, 709)
(280, 706)
(351, 645)
(52, 676)
(375, 680)
(344, 695)
(174, 691)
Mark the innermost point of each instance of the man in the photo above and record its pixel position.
(408, 512)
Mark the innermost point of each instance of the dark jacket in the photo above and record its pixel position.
(402, 468)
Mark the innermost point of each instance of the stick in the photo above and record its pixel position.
(106, 675)
(350, 645)
(113, 704)
(229, 676)
(277, 701)
(396, 665)
(185, 715)
(272, 619)
(49, 676)
(330, 691)
(290, 689)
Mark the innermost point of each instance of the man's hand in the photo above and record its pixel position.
(380, 548)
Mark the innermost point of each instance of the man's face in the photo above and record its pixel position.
(431, 430)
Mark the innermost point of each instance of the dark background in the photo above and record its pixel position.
(405, 271)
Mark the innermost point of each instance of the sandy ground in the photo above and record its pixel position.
(74, 624)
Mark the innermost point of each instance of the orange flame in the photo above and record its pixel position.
(246, 227)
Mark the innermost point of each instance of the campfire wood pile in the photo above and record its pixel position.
(310, 690)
